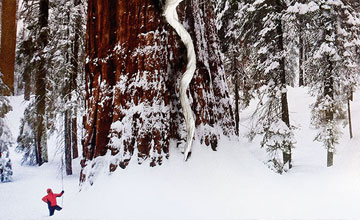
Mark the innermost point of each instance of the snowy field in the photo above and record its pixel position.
(232, 183)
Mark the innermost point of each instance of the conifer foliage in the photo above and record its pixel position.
(336, 76)
(266, 42)
(5, 135)
(56, 49)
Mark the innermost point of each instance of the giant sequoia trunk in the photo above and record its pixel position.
(134, 64)
(8, 43)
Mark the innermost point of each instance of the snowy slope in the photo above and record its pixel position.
(232, 183)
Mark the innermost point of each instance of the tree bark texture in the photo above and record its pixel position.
(74, 141)
(67, 131)
(134, 64)
(8, 43)
(40, 86)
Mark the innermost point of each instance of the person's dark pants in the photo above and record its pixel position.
(53, 208)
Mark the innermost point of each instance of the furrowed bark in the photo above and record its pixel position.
(134, 64)
(173, 19)
(8, 43)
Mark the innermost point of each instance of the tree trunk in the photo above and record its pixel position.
(349, 117)
(135, 61)
(328, 91)
(284, 102)
(74, 141)
(40, 84)
(330, 158)
(67, 131)
(8, 43)
(28, 47)
(301, 55)
(237, 102)
(74, 74)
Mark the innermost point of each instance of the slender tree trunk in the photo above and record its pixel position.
(28, 47)
(237, 102)
(284, 102)
(40, 83)
(75, 71)
(27, 83)
(8, 43)
(74, 141)
(67, 129)
(135, 64)
(328, 91)
(330, 158)
(349, 117)
(301, 56)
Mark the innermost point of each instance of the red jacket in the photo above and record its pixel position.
(51, 197)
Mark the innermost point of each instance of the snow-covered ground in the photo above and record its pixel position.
(232, 183)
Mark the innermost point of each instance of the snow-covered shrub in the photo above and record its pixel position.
(26, 139)
(5, 162)
(278, 139)
(5, 137)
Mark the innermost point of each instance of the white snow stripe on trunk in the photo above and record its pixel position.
(173, 19)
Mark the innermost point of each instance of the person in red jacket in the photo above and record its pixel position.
(50, 199)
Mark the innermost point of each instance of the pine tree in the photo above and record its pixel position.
(5, 135)
(66, 47)
(26, 140)
(33, 62)
(31, 58)
(62, 58)
(333, 60)
(133, 69)
(271, 117)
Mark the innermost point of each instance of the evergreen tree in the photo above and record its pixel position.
(333, 60)
(33, 62)
(62, 58)
(271, 117)
(26, 140)
(5, 135)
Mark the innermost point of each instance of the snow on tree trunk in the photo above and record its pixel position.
(211, 103)
(173, 19)
(135, 61)
(8, 43)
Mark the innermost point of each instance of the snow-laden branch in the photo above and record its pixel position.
(173, 19)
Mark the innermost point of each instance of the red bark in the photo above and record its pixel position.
(135, 61)
(8, 43)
